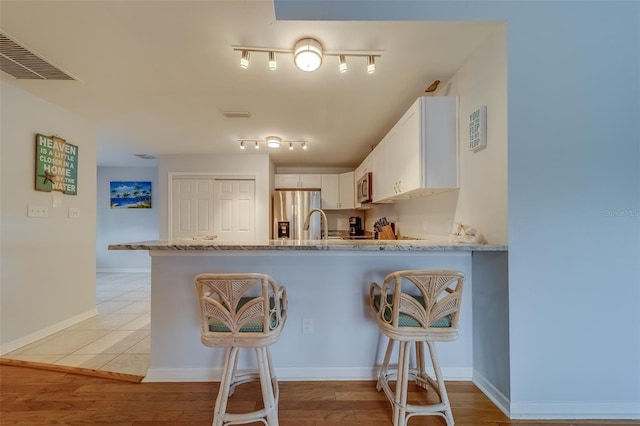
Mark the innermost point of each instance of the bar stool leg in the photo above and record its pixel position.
(400, 402)
(442, 390)
(274, 379)
(421, 375)
(267, 387)
(225, 386)
(385, 364)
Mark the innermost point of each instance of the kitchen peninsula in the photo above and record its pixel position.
(327, 283)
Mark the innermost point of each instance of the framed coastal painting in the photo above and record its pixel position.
(130, 195)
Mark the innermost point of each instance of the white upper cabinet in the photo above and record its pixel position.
(347, 190)
(338, 191)
(419, 154)
(298, 181)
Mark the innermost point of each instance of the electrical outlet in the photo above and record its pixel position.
(74, 212)
(307, 325)
(56, 202)
(37, 211)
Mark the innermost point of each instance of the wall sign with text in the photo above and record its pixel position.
(478, 128)
(56, 165)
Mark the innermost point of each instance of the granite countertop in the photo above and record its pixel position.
(331, 244)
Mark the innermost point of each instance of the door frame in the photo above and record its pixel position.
(171, 176)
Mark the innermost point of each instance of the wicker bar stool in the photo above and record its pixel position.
(419, 306)
(243, 311)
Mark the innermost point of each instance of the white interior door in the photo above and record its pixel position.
(235, 210)
(192, 207)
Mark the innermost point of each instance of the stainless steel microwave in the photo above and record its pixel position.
(363, 188)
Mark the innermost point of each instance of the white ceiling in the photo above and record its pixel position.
(155, 76)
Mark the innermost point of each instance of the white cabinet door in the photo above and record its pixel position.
(330, 191)
(298, 181)
(347, 192)
(311, 181)
(408, 159)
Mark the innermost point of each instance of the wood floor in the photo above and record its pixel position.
(30, 396)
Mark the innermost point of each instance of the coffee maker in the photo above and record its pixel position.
(355, 226)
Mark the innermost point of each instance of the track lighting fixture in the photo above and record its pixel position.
(342, 63)
(273, 142)
(273, 65)
(244, 59)
(308, 55)
(371, 65)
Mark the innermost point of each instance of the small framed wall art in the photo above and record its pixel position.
(478, 128)
(130, 195)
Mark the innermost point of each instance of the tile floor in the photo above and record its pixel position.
(116, 340)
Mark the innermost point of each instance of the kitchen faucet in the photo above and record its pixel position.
(326, 225)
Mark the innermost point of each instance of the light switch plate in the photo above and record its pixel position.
(37, 211)
(74, 212)
(56, 202)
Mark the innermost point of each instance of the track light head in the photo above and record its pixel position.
(273, 65)
(244, 59)
(342, 63)
(257, 145)
(241, 144)
(371, 65)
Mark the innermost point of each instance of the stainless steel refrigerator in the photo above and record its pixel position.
(290, 209)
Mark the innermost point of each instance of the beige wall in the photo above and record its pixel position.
(47, 273)
(481, 200)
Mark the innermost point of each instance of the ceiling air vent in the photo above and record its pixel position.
(23, 64)
(236, 114)
(145, 156)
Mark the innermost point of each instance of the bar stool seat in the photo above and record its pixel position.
(419, 306)
(243, 310)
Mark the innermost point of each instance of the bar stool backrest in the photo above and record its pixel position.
(240, 309)
(418, 304)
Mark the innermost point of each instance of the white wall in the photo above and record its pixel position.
(115, 226)
(257, 165)
(573, 191)
(481, 200)
(47, 278)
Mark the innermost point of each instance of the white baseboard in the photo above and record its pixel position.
(23, 341)
(575, 410)
(497, 397)
(287, 374)
(124, 270)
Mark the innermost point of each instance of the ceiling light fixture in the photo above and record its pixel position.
(371, 65)
(308, 55)
(273, 65)
(244, 59)
(273, 141)
(342, 61)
